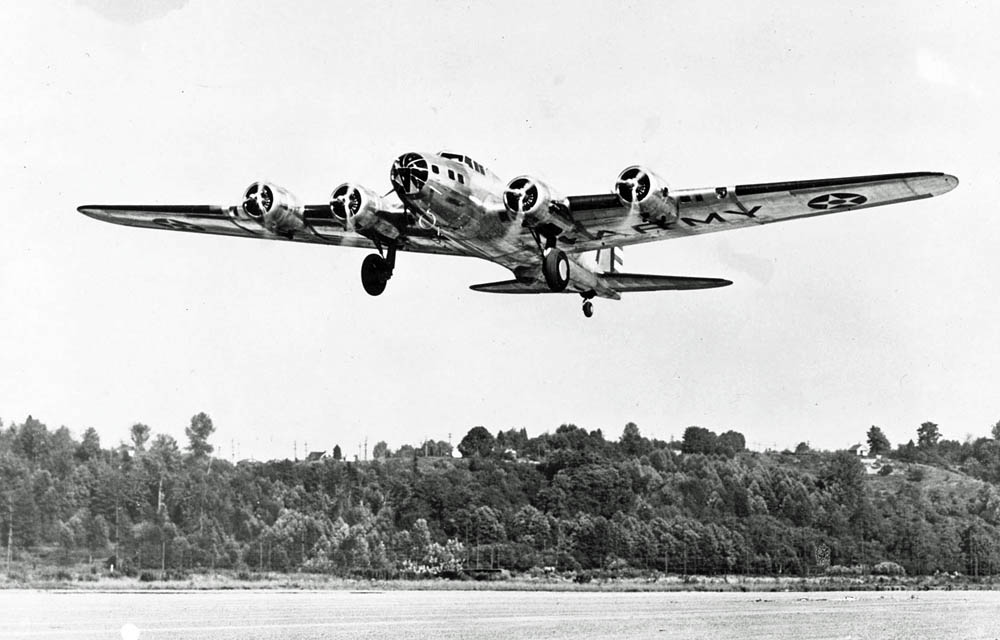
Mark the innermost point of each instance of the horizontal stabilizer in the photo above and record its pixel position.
(629, 282)
(620, 282)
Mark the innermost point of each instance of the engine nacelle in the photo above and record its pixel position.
(639, 188)
(536, 204)
(273, 207)
(358, 208)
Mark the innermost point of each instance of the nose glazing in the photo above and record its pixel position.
(409, 174)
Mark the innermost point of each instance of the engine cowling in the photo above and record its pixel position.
(639, 188)
(535, 203)
(358, 208)
(273, 207)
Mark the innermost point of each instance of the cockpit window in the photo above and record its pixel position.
(461, 179)
(466, 160)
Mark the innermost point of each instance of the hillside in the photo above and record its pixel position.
(569, 503)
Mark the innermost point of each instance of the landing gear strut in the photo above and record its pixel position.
(376, 271)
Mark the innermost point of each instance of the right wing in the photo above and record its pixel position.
(320, 226)
(602, 221)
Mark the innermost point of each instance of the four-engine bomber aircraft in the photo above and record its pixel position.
(447, 203)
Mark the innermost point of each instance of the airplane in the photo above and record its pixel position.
(447, 203)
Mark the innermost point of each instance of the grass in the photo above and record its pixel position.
(71, 579)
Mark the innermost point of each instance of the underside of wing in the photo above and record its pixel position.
(619, 282)
(602, 220)
(317, 225)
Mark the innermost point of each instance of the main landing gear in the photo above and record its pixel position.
(376, 271)
(555, 268)
(555, 264)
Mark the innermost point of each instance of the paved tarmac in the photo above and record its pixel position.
(201, 615)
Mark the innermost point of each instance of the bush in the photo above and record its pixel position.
(841, 570)
(885, 470)
(888, 569)
(147, 576)
(915, 474)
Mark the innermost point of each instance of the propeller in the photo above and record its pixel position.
(633, 185)
(520, 195)
(258, 200)
(345, 204)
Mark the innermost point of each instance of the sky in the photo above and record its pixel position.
(883, 317)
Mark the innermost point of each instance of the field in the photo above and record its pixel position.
(484, 614)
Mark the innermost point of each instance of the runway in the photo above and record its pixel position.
(399, 615)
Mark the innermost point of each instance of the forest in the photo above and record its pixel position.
(568, 503)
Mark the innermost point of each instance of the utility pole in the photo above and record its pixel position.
(366, 448)
(10, 532)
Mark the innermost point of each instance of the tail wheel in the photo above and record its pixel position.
(588, 308)
(374, 274)
(555, 268)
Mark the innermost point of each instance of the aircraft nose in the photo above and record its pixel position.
(409, 174)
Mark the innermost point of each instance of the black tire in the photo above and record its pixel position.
(555, 268)
(588, 308)
(374, 274)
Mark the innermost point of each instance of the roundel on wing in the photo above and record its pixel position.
(837, 201)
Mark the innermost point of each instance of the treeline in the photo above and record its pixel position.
(567, 501)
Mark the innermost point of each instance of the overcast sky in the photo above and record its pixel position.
(886, 316)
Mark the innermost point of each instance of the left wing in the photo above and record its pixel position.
(319, 225)
(602, 221)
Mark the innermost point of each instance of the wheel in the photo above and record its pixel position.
(588, 308)
(555, 268)
(374, 274)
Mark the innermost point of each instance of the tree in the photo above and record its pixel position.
(477, 442)
(632, 442)
(996, 430)
(337, 454)
(731, 442)
(381, 450)
(801, 448)
(928, 435)
(845, 478)
(140, 435)
(90, 446)
(698, 440)
(199, 431)
(877, 442)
